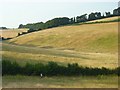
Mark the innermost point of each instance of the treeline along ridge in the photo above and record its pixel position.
(66, 21)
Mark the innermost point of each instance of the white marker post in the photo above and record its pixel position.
(41, 75)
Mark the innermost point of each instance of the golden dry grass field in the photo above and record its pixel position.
(60, 82)
(106, 19)
(92, 45)
(23, 54)
(11, 33)
(85, 38)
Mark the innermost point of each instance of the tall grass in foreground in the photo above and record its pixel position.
(53, 69)
(21, 81)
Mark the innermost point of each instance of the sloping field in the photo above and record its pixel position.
(106, 19)
(96, 38)
(92, 45)
(23, 54)
(11, 33)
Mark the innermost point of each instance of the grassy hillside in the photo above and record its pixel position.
(92, 45)
(60, 82)
(84, 38)
(106, 19)
(11, 33)
(23, 54)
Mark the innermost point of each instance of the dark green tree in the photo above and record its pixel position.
(107, 14)
(21, 26)
(81, 18)
(74, 20)
(98, 15)
(92, 16)
(116, 12)
(71, 20)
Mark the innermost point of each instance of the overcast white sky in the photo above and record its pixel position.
(15, 12)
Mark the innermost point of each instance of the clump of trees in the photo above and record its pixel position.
(2, 38)
(3, 28)
(116, 12)
(49, 24)
(53, 69)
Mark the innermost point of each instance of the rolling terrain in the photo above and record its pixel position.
(23, 54)
(92, 45)
(11, 33)
(84, 38)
